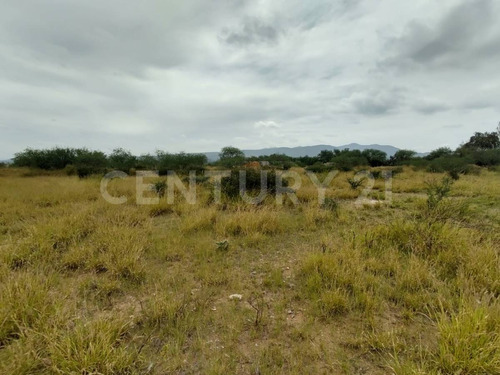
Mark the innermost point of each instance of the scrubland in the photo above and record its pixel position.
(400, 287)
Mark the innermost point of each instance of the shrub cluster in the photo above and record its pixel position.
(255, 181)
(483, 150)
(85, 162)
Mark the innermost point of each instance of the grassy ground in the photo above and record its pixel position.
(88, 287)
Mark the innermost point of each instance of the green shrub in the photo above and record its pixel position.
(122, 160)
(347, 163)
(451, 164)
(486, 158)
(318, 167)
(354, 184)
(436, 191)
(159, 188)
(180, 162)
(231, 185)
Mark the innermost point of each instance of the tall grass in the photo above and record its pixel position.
(87, 287)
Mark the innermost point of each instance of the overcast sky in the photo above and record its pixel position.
(200, 75)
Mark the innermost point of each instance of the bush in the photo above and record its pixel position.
(375, 158)
(451, 164)
(122, 160)
(437, 191)
(349, 162)
(56, 158)
(159, 188)
(180, 162)
(355, 183)
(486, 158)
(317, 167)
(438, 153)
(402, 157)
(230, 157)
(231, 185)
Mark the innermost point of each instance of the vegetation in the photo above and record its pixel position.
(403, 280)
(482, 149)
(85, 162)
(231, 157)
(408, 287)
(254, 182)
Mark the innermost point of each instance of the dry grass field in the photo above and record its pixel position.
(404, 287)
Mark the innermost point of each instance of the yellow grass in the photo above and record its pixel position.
(397, 287)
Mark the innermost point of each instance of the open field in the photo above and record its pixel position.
(88, 287)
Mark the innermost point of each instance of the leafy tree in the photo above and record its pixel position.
(375, 158)
(402, 156)
(347, 161)
(231, 152)
(180, 162)
(483, 141)
(55, 158)
(231, 156)
(89, 162)
(122, 160)
(230, 185)
(452, 164)
(325, 156)
(147, 161)
(307, 160)
(486, 158)
(439, 152)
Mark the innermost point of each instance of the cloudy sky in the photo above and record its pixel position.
(200, 75)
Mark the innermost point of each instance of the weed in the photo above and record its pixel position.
(159, 187)
(436, 191)
(355, 183)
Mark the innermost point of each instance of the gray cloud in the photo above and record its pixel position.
(198, 75)
(430, 107)
(376, 102)
(466, 36)
(253, 31)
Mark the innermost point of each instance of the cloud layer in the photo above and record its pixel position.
(198, 75)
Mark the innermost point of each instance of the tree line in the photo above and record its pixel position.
(84, 162)
(482, 149)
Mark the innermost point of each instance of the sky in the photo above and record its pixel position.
(199, 75)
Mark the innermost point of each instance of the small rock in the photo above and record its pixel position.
(236, 296)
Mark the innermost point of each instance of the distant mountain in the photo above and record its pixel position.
(8, 161)
(308, 150)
